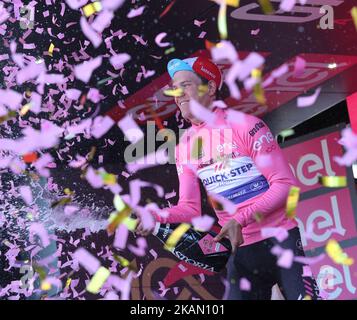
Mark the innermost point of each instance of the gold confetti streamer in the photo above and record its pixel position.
(176, 235)
(98, 280)
(354, 16)
(202, 89)
(267, 7)
(292, 202)
(26, 108)
(197, 151)
(333, 181)
(173, 92)
(222, 21)
(335, 252)
(50, 49)
(92, 8)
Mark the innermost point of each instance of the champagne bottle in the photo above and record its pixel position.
(197, 248)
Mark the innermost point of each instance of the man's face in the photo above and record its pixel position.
(190, 83)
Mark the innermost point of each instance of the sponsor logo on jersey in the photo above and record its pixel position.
(256, 128)
(263, 139)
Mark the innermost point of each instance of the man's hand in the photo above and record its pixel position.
(232, 230)
(140, 228)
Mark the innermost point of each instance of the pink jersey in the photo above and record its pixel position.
(240, 160)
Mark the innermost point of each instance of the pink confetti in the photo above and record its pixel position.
(69, 210)
(10, 98)
(121, 236)
(153, 253)
(182, 267)
(39, 229)
(101, 125)
(202, 113)
(130, 129)
(158, 40)
(279, 233)
(299, 67)
(90, 33)
(90, 263)
(198, 23)
(202, 35)
(225, 51)
(102, 21)
(73, 94)
(26, 194)
(244, 284)
(203, 223)
(140, 250)
(31, 71)
(139, 39)
(136, 12)
(36, 101)
(118, 61)
(112, 4)
(303, 102)
(306, 271)
(287, 5)
(286, 259)
(84, 71)
(254, 32)
(95, 180)
(310, 260)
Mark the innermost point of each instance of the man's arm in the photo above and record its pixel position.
(268, 157)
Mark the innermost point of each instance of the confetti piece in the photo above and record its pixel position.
(198, 23)
(167, 9)
(135, 12)
(203, 223)
(39, 229)
(287, 5)
(292, 202)
(130, 223)
(306, 271)
(333, 181)
(222, 21)
(26, 194)
(354, 16)
(88, 261)
(278, 233)
(170, 50)
(101, 125)
(219, 203)
(118, 60)
(50, 49)
(286, 133)
(158, 40)
(173, 92)
(335, 252)
(84, 71)
(303, 102)
(30, 157)
(130, 129)
(92, 8)
(286, 259)
(202, 35)
(266, 6)
(176, 236)
(197, 151)
(202, 113)
(299, 67)
(98, 280)
(140, 250)
(255, 32)
(244, 284)
(224, 50)
(116, 218)
(90, 33)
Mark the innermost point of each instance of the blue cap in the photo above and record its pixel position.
(175, 65)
